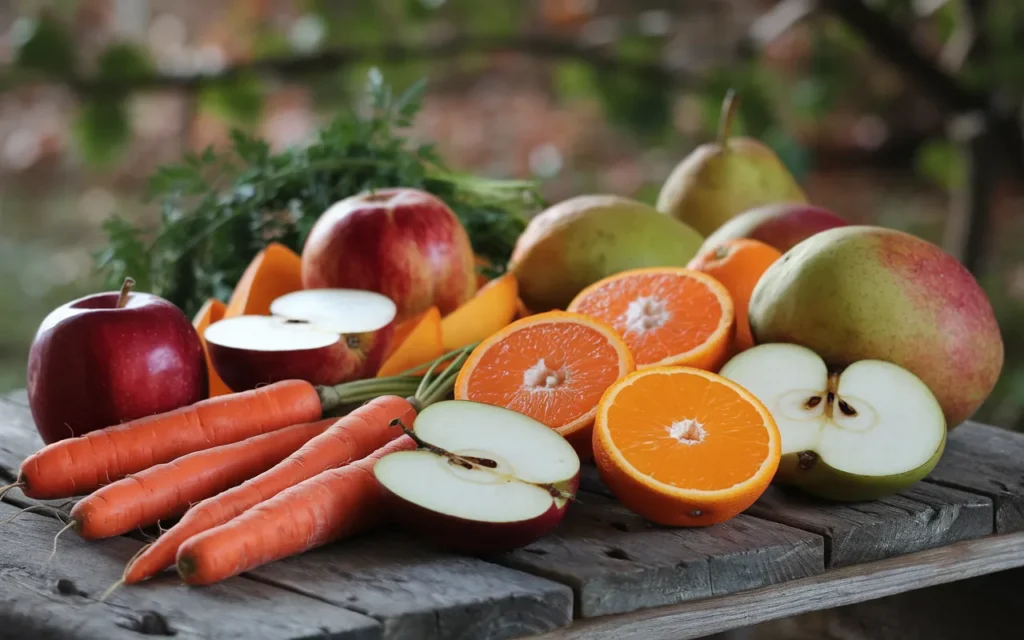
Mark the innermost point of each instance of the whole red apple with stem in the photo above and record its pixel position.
(112, 357)
(404, 243)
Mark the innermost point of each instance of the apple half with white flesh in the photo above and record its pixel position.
(323, 336)
(867, 431)
(484, 479)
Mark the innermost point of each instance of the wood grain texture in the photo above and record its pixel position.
(60, 600)
(923, 517)
(18, 436)
(989, 461)
(835, 588)
(418, 593)
(616, 561)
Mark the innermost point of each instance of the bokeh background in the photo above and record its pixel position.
(893, 112)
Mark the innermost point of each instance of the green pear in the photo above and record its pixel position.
(579, 241)
(863, 292)
(860, 433)
(721, 179)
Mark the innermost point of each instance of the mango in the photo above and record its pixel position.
(575, 243)
(862, 292)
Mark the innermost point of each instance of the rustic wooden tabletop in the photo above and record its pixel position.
(605, 573)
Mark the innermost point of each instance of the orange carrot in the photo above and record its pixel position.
(77, 466)
(351, 438)
(168, 490)
(326, 507)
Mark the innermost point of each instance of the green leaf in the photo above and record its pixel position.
(941, 162)
(573, 80)
(237, 99)
(102, 129)
(124, 61)
(48, 49)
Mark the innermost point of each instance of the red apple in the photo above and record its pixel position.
(323, 336)
(515, 491)
(779, 225)
(403, 243)
(109, 358)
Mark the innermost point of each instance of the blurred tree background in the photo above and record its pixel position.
(902, 113)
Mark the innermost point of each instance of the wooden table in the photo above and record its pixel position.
(606, 573)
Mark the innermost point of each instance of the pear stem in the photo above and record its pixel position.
(729, 106)
(126, 289)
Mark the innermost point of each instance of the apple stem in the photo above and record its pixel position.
(729, 105)
(126, 289)
(471, 462)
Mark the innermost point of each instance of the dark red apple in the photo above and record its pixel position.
(109, 358)
(779, 225)
(323, 336)
(404, 243)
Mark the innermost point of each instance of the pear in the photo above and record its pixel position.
(862, 292)
(721, 179)
(579, 241)
(861, 433)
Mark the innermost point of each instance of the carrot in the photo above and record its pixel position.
(351, 438)
(77, 466)
(328, 506)
(167, 490)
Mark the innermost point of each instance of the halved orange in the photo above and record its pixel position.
(552, 366)
(684, 447)
(667, 315)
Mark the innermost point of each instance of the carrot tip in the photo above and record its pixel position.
(17, 485)
(53, 554)
(111, 589)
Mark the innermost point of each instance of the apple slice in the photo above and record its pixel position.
(867, 431)
(323, 336)
(485, 478)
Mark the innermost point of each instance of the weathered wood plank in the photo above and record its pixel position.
(835, 588)
(60, 600)
(989, 461)
(923, 517)
(419, 593)
(18, 436)
(616, 561)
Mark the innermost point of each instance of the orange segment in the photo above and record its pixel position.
(491, 309)
(417, 341)
(684, 447)
(211, 311)
(738, 264)
(275, 271)
(553, 367)
(667, 315)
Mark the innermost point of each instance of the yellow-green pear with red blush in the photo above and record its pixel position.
(869, 293)
(723, 178)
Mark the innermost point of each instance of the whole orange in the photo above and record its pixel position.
(737, 264)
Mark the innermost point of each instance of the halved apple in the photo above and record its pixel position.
(323, 336)
(861, 433)
(485, 478)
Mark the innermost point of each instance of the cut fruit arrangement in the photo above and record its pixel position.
(377, 378)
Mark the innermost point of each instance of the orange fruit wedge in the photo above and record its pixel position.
(416, 341)
(684, 447)
(491, 309)
(738, 264)
(211, 311)
(552, 367)
(667, 315)
(275, 271)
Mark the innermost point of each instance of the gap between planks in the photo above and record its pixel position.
(835, 588)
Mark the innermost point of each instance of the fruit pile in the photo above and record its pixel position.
(377, 378)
